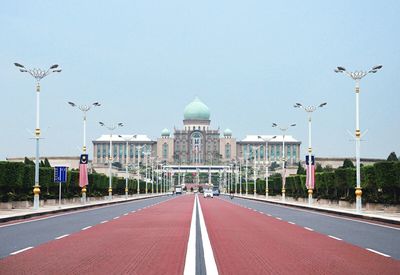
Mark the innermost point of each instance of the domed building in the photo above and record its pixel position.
(196, 144)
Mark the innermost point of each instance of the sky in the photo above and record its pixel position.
(248, 61)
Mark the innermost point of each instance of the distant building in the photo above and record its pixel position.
(195, 144)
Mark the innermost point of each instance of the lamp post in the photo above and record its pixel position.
(138, 170)
(255, 170)
(309, 110)
(266, 140)
(111, 128)
(247, 185)
(38, 74)
(147, 153)
(126, 139)
(357, 76)
(84, 109)
(283, 130)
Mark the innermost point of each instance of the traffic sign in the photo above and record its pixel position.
(60, 174)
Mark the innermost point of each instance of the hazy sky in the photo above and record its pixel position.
(249, 61)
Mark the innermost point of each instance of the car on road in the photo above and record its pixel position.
(178, 190)
(208, 193)
(215, 191)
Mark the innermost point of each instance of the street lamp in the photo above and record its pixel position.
(283, 130)
(255, 169)
(84, 109)
(147, 153)
(309, 110)
(266, 140)
(357, 76)
(38, 74)
(138, 171)
(126, 139)
(111, 128)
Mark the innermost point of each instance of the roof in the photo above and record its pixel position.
(279, 138)
(139, 138)
(196, 110)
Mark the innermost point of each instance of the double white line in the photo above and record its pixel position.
(190, 263)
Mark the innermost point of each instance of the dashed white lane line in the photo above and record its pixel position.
(309, 229)
(269, 215)
(126, 214)
(87, 227)
(133, 211)
(116, 218)
(63, 236)
(278, 218)
(104, 221)
(291, 222)
(377, 252)
(22, 250)
(333, 237)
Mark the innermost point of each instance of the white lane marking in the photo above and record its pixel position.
(116, 218)
(104, 221)
(133, 211)
(269, 215)
(278, 218)
(309, 229)
(63, 236)
(22, 250)
(333, 237)
(126, 214)
(329, 215)
(70, 213)
(377, 252)
(190, 261)
(291, 222)
(87, 227)
(260, 212)
(211, 266)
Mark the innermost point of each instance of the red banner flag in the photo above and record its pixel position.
(83, 173)
(312, 177)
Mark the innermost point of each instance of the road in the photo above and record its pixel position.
(184, 235)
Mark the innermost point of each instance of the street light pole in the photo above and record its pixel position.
(309, 110)
(138, 170)
(111, 128)
(266, 163)
(357, 76)
(84, 109)
(126, 139)
(283, 130)
(38, 74)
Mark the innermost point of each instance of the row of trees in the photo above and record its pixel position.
(17, 180)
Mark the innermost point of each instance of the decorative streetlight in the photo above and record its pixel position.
(255, 169)
(84, 109)
(247, 154)
(357, 76)
(138, 171)
(309, 110)
(111, 128)
(38, 74)
(147, 153)
(283, 130)
(126, 139)
(266, 140)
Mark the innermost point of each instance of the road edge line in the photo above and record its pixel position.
(190, 260)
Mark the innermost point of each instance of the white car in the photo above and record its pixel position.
(208, 193)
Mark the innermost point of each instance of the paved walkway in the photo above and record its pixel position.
(23, 213)
(384, 216)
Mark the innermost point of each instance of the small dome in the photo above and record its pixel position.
(227, 133)
(196, 110)
(165, 133)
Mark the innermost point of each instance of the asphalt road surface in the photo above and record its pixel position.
(184, 235)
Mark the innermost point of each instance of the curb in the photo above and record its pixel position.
(330, 211)
(71, 209)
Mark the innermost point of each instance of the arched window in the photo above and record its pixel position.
(227, 151)
(196, 152)
(165, 151)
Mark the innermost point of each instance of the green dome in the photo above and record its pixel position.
(228, 132)
(165, 133)
(196, 110)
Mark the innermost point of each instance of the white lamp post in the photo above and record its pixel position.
(111, 128)
(126, 139)
(357, 76)
(283, 130)
(138, 148)
(38, 74)
(309, 110)
(84, 109)
(266, 140)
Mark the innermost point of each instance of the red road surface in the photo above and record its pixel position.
(248, 242)
(150, 241)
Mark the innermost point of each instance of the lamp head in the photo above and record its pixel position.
(322, 104)
(19, 65)
(292, 125)
(101, 123)
(120, 124)
(340, 69)
(96, 104)
(54, 66)
(274, 124)
(376, 68)
(71, 103)
(297, 105)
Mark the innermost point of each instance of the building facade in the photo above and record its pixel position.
(196, 143)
